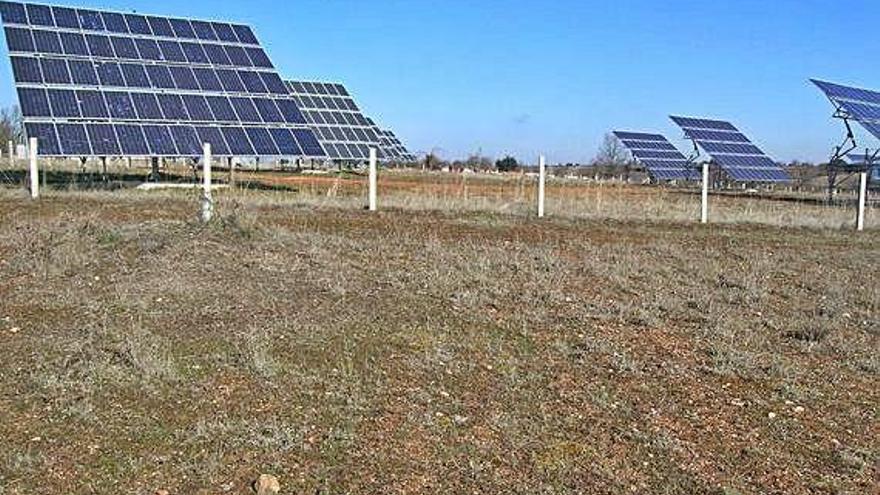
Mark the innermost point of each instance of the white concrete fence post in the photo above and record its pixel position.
(207, 201)
(34, 173)
(373, 180)
(863, 194)
(11, 154)
(704, 200)
(542, 175)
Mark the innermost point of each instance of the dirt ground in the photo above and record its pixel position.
(416, 350)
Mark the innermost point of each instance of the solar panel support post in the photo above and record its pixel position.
(34, 173)
(11, 154)
(542, 172)
(704, 196)
(373, 180)
(863, 193)
(154, 166)
(231, 164)
(207, 201)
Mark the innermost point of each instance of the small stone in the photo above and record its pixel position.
(161, 492)
(14, 330)
(459, 420)
(799, 409)
(267, 484)
(771, 415)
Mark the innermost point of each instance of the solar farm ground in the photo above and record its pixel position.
(611, 348)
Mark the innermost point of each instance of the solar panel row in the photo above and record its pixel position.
(335, 118)
(731, 150)
(861, 105)
(659, 157)
(114, 22)
(393, 148)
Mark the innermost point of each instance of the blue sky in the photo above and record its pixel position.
(530, 77)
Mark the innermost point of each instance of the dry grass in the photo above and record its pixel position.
(472, 351)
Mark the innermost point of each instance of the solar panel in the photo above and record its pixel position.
(98, 83)
(861, 105)
(732, 150)
(658, 156)
(335, 119)
(390, 145)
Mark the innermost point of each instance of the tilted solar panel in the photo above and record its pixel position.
(336, 120)
(861, 105)
(98, 83)
(731, 150)
(659, 157)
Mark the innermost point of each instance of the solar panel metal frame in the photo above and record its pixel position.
(721, 140)
(261, 74)
(660, 158)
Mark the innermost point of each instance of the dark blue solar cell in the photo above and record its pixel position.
(109, 74)
(258, 57)
(160, 26)
(273, 83)
(115, 23)
(137, 24)
(47, 41)
(148, 49)
(83, 72)
(120, 105)
(186, 139)
(26, 70)
(65, 17)
(207, 79)
(252, 81)
(288, 109)
(245, 110)
(216, 54)
(230, 81)
(92, 104)
(172, 107)
(159, 140)
(171, 51)
(222, 109)
(146, 105)
(182, 28)
(99, 46)
(285, 142)
(308, 142)
(90, 20)
(224, 32)
(340, 89)
(13, 13)
(215, 137)
(39, 15)
(319, 88)
(262, 141)
(34, 102)
(203, 30)
(47, 139)
(237, 56)
(194, 53)
(103, 139)
(73, 139)
(184, 78)
(124, 48)
(160, 76)
(237, 140)
(131, 140)
(55, 71)
(135, 75)
(74, 44)
(244, 34)
(64, 103)
(197, 108)
(268, 111)
(19, 40)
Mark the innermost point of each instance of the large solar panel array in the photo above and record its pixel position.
(390, 145)
(731, 150)
(335, 118)
(659, 157)
(861, 105)
(97, 83)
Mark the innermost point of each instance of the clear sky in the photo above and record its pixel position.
(530, 76)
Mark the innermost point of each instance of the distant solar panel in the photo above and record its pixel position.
(390, 145)
(861, 105)
(659, 157)
(98, 83)
(732, 150)
(335, 118)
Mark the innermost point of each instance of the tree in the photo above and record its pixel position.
(478, 162)
(507, 164)
(612, 156)
(11, 125)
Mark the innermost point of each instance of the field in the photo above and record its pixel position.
(450, 343)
